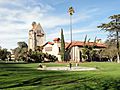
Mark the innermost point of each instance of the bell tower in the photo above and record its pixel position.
(36, 36)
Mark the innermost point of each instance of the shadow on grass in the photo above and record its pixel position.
(30, 82)
(21, 75)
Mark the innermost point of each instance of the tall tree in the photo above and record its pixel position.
(94, 43)
(62, 46)
(22, 45)
(85, 40)
(21, 51)
(110, 50)
(88, 51)
(4, 53)
(114, 27)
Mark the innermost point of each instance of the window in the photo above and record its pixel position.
(48, 48)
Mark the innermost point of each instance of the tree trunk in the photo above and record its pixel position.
(118, 54)
(118, 58)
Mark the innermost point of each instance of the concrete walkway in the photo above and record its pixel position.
(68, 68)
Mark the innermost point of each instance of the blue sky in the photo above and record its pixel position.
(16, 17)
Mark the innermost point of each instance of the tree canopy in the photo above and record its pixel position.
(22, 44)
(114, 28)
(4, 53)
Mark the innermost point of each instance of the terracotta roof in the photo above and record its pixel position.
(50, 43)
(56, 39)
(81, 44)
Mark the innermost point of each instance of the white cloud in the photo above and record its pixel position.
(16, 20)
(14, 23)
(75, 33)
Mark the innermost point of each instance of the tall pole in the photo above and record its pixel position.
(71, 27)
(71, 11)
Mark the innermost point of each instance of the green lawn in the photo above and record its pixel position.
(27, 77)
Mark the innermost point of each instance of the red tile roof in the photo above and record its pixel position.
(81, 44)
(50, 43)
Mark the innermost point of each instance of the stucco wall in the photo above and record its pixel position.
(75, 54)
(55, 50)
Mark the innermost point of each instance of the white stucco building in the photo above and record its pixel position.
(53, 48)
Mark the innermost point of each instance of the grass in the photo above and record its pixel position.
(26, 77)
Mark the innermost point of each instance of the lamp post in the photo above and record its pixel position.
(71, 11)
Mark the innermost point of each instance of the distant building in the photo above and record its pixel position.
(73, 51)
(36, 36)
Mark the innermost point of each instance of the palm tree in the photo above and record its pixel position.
(71, 11)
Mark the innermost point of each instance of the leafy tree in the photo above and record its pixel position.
(23, 54)
(89, 54)
(4, 53)
(114, 28)
(21, 51)
(39, 48)
(16, 52)
(36, 57)
(22, 45)
(9, 56)
(110, 50)
(62, 46)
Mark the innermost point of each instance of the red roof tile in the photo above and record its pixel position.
(81, 44)
(50, 43)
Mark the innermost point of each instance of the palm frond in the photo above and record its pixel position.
(71, 11)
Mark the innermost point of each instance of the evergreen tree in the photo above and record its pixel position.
(85, 40)
(62, 46)
(114, 28)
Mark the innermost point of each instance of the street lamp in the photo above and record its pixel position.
(71, 11)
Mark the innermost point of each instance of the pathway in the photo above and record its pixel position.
(68, 68)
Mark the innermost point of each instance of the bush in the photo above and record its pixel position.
(38, 57)
(50, 57)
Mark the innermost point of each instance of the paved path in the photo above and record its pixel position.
(68, 68)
